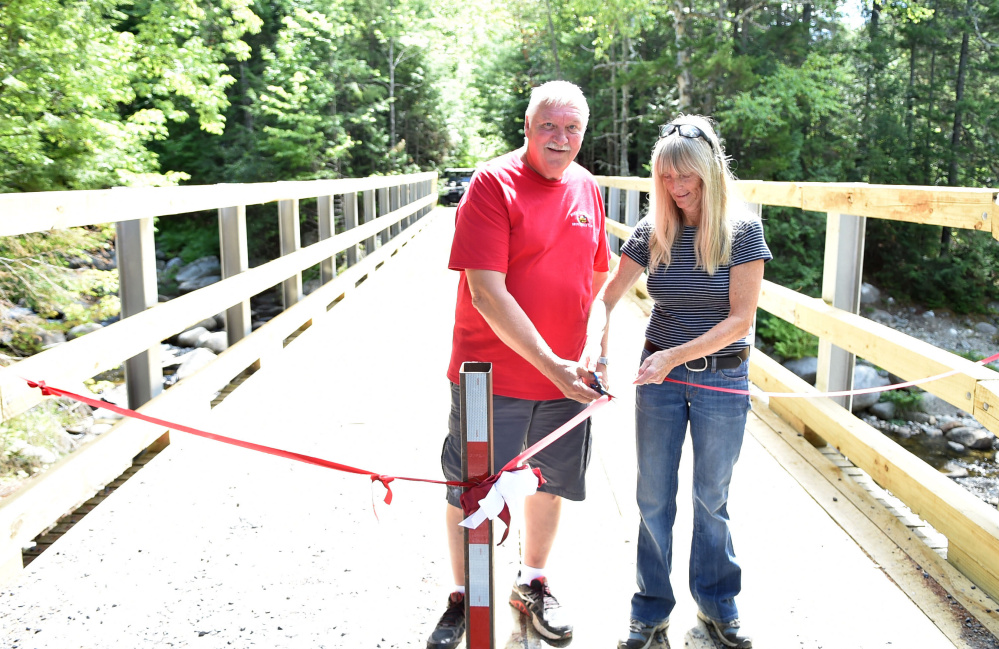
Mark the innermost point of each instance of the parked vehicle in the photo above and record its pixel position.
(456, 181)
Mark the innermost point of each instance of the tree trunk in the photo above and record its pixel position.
(612, 143)
(551, 30)
(391, 97)
(683, 77)
(955, 138)
(927, 175)
(910, 97)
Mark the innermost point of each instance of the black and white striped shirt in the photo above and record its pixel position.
(689, 302)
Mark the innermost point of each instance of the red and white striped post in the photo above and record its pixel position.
(476, 388)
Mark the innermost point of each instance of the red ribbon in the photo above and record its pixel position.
(385, 480)
(471, 497)
(837, 393)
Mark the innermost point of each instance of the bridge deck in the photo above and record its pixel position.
(215, 546)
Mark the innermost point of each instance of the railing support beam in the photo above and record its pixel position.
(136, 253)
(290, 235)
(235, 260)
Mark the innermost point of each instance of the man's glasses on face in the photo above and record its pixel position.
(684, 130)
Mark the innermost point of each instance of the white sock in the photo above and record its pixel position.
(529, 574)
(459, 589)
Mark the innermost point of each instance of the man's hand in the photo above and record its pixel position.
(574, 381)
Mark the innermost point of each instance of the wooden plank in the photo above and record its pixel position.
(881, 534)
(82, 358)
(898, 353)
(958, 207)
(771, 193)
(41, 211)
(625, 182)
(986, 409)
(960, 516)
(619, 229)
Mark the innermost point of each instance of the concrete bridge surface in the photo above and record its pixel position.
(212, 546)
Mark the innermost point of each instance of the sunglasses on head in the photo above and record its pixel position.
(684, 130)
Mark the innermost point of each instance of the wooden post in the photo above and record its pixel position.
(476, 390)
(234, 258)
(350, 222)
(327, 228)
(383, 208)
(394, 229)
(631, 207)
(136, 254)
(369, 215)
(614, 214)
(290, 235)
(841, 281)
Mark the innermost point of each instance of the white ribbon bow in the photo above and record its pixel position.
(510, 487)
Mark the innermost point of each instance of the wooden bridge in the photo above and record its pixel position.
(853, 544)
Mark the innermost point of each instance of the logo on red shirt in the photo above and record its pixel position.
(580, 219)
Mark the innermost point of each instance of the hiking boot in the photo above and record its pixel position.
(536, 601)
(728, 633)
(645, 636)
(450, 630)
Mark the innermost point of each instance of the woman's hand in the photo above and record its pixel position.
(656, 367)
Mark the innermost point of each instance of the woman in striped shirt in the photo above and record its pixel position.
(704, 252)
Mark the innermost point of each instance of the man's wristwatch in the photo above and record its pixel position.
(603, 360)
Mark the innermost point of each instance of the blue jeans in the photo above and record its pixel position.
(717, 425)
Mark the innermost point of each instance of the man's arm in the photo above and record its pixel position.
(511, 324)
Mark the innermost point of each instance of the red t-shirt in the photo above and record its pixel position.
(548, 237)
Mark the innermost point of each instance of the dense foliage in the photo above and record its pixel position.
(101, 93)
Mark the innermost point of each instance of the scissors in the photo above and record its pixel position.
(599, 386)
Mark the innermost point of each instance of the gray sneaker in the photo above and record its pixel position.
(645, 636)
(728, 633)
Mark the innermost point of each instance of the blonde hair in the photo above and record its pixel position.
(676, 154)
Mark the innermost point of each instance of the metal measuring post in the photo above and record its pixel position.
(476, 389)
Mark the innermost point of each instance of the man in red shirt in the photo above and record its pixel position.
(532, 251)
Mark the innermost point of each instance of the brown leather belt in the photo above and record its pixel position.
(727, 362)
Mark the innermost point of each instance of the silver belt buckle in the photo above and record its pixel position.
(703, 359)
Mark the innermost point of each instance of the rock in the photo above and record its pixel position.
(100, 429)
(83, 330)
(204, 267)
(976, 438)
(864, 377)
(929, 314)
(51, 339)
(173, 265)
(934, 405)
(210, 324)
(194, 362)
(954, 470)
(954, 446)
(193, 285)
(43, 455)
(310, 286)
(883, 410)
(192, 337)
(986, 328)
(869, 294)
(950, 424)
(804, 368)
(160, 265)
(920, 417)
(217, 341)
(881, 316)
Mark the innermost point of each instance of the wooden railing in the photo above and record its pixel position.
(970, 525)
(380, 213)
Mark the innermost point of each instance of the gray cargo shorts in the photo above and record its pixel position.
(517, 425)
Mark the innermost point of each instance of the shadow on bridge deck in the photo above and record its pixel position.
(215, 546)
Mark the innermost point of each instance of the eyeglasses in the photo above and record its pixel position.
(684, 130)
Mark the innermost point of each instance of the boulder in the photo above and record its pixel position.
(83, 330)
(204, 267)
(804, 368)
(192, 337)
(869, 294)
(971, 437)
(195, 361)
(986, 328)
(193, 285)
(864, 377)
(883, 410)
(217, 341)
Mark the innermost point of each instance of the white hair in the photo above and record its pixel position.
(557, 94)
